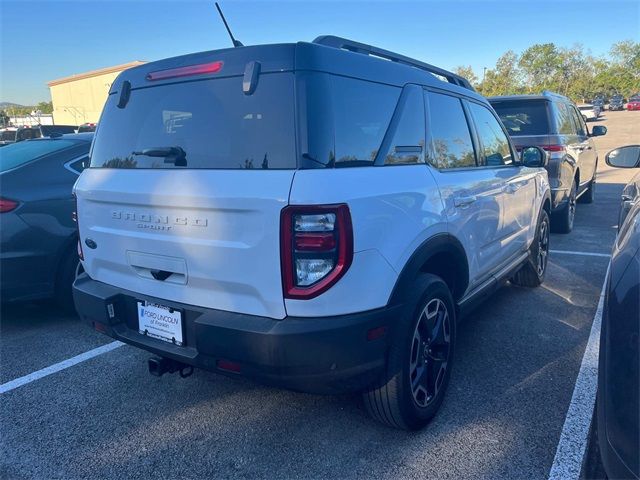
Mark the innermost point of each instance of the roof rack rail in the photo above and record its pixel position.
(549, 93)
(353, 46)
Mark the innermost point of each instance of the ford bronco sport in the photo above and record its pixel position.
(314, 215)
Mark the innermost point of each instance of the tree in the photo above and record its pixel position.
(504, 79)
(542, 66)
(468, 73)
(45, 107)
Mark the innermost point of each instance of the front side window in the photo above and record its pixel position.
(495, 150)
(451, 142)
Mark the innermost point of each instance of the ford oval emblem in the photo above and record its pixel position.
(90, 243)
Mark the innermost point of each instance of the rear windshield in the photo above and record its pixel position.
(9, 135)
(50, 129)
(200, 124)
(523, 117)
(17, 154)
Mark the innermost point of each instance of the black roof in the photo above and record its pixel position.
(327, 54)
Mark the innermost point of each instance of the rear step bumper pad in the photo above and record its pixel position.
(315, 355)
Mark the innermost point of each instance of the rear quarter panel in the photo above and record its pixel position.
(41, 229)
(394, 209)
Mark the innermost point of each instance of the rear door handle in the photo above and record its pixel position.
(464, 201)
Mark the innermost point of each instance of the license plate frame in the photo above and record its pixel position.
(161, 322)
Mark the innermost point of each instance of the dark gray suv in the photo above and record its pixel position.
(554, 123)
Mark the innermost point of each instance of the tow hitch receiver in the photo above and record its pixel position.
(158, 366)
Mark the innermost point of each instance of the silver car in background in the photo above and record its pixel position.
(554, 123)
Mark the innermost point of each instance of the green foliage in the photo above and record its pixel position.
(45, 107)
(569, 71)
(20, 110)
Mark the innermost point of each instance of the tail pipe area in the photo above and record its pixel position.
(158, 366)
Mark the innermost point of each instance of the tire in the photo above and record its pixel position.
(416, 354)
(590, 193)
(563, 219)
(534, 270)
(69, 268)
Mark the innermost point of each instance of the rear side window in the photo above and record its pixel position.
(406, 146)
(563, 119)
(28, 134)
(362, 112)
(200, 124)
(20, 153)
(578, 121)
(523, 117)
(495, 150)
(450, 137)
(79, 165)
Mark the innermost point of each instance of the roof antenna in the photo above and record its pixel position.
(236, 43)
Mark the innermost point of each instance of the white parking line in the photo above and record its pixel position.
(586, 254)
(575, 432)
(56, 367)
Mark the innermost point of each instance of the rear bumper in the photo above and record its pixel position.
(316, 355)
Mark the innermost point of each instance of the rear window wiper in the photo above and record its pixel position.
(175, 155)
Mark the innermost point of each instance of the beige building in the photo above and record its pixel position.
(79, 98)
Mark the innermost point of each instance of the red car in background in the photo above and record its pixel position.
(633, 103)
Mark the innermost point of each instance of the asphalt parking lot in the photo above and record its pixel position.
(517, 361)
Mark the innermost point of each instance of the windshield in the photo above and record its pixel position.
(523, 117)
(213, 122)
(20, 153)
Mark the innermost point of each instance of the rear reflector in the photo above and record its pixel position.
(213, 67)
(74, 217)
(228, 365)
(99, 327)
(376, 333)
(554, 148)
(7, 205)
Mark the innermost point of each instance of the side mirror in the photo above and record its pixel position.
(624, 157)
(598, 131)
(534, 157)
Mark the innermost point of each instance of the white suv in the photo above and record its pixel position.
(309, 215)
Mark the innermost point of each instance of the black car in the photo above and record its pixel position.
(38, 239)
(87, 127)
(617, 425)
(616, 103)
(13, 134)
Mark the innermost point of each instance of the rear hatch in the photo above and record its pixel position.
(189, 173)
(526, 120)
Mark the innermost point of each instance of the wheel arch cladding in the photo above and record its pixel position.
(442, 255)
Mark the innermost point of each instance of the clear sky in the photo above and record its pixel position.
(45, 40)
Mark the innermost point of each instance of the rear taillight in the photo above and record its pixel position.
(7, 205)
(74, 216)
(316, 248)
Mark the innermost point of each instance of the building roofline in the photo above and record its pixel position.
(95, 73)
